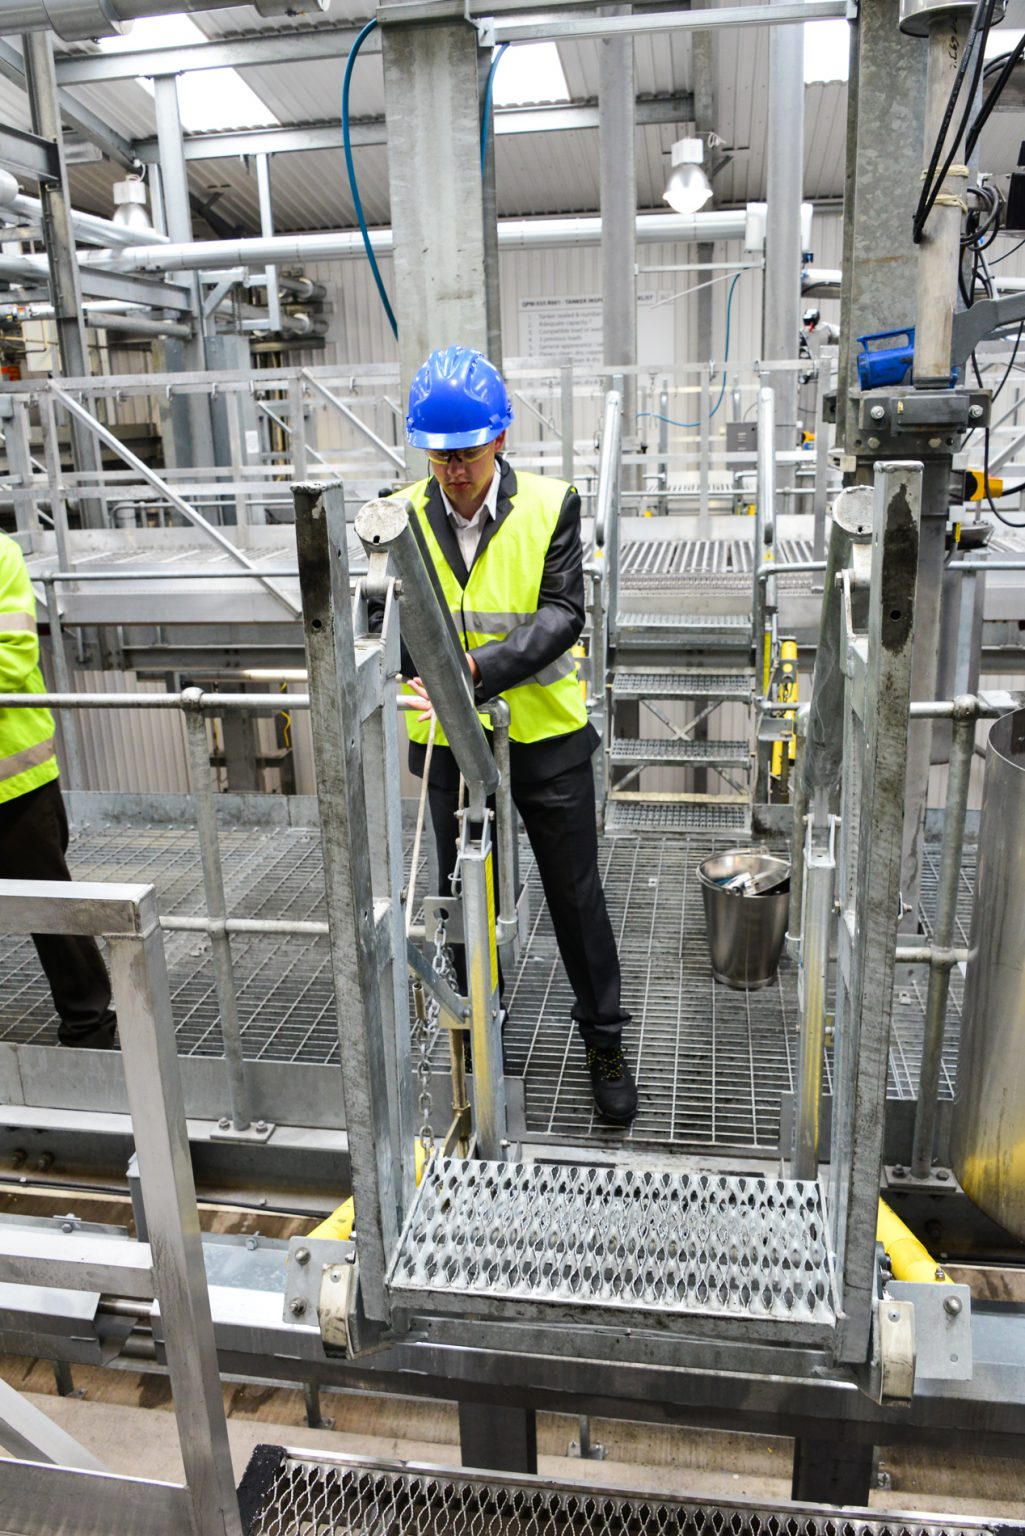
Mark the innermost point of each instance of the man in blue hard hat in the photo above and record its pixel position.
(505, 546)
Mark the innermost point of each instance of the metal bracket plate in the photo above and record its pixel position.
(256, 1134)
(449, 911)
(942, 1327)
(895, 1327)
(309, 1260)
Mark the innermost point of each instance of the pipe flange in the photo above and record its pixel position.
(917, 16)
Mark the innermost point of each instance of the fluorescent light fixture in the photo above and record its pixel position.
(209, 99)
(827, 50)
(528, 73)
(688, 188)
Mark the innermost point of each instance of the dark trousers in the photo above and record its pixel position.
(33, 842)
(559, 817)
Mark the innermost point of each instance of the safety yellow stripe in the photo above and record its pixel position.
(28, 757)
(495, 623)
(12, 621)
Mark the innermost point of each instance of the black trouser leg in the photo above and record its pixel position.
(559, 817)
(33, 842)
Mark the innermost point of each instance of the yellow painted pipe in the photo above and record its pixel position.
(909, 1259)
(338, 1226)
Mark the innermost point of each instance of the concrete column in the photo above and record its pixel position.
(437, 202)
(59, 239)
(781, 322)
(616, 98)
(192, 440)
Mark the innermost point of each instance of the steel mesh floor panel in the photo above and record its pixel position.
(682, 685)
(701, 1245)
(711, 1063)
(722, 566)
(291, 1493)
(675, 816)
(670, 749)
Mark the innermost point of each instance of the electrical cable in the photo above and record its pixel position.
(1011, 252)
(978, 31)
(350, 167)
(993, 95)
(485, 122)
(725, 359)
(992, 507)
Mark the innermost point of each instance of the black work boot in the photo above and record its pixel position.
(615, 1092)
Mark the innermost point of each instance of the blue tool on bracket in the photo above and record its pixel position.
(882, 365)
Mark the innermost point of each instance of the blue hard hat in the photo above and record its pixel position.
(457, 400)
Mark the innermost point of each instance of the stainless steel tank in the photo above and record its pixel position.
(988, 1135)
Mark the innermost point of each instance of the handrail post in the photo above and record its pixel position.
(507, 927)
(959, 775)
(217, 911)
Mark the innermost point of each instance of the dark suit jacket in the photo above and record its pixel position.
(556, 626)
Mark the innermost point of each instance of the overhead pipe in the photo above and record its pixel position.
(335, 245)
(103, 316)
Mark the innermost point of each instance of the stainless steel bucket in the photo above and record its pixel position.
(987, 1144)
(745, 932)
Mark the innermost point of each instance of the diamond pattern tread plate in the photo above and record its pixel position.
(682, 685)
(298, 1493)
(515, 1239)
(672, 750)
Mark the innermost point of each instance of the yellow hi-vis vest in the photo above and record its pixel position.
(27, 757)
(502, 593)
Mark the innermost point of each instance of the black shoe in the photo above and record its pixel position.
(615, 1092)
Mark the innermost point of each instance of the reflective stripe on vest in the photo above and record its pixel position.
(13, 621)
(501, 596)
(28, 757)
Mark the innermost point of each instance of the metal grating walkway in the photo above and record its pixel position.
(711, 1063)
(682, 685)
(610, 1244)
(294, 1493)
(675, 749)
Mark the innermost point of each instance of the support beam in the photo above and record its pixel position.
(616, 95)
(781, 313)
(499, 1438)
(305, 138)
(430, 76)
(292, 47)
(114, 145)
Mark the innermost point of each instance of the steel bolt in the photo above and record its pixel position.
(302, 1255)
(935, 442)
(898, 1171)
(878, 413)
(873, 442)
(940, 1273)
(336, 1275)
(952, 1306)
(224, 1123)
(67, 1226)
(943, 1174)
(297, 1306)
(894, 1317)
(261, 1125)
(975, 412)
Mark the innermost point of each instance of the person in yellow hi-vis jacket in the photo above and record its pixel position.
(33, 822)
(506, 549)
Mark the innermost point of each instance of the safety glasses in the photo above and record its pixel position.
(463, 455)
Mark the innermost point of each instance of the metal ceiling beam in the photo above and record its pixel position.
(304, 139)
(327, 42)
(494, 30)
(113, 145)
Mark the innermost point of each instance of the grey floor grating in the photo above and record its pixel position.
(711, 1063)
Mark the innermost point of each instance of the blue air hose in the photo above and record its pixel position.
(486, 115)
(350, 167)
(725, 359)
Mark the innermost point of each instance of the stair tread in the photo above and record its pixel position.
(683, 684)
(670, 750)
(676, 816)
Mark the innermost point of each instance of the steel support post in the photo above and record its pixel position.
(383, 796)
(925, 666)
(29, 1434)
(821, 496)
(566, 422)
(781, 325)
(705, 255)
(437, 200)
(873, 823)
(14, 415)
(374, 1127)
(816, 931)
(939, 251)
(498, 1437)
(489, 1096)
(763, 600)
(193, 443)
(59, 238)
(958, 782)
(267, 229)
(506, 840)
(216, 907)
(71, 757)
(297, 422)
(885, 103)
(616, 99)
(489, 194)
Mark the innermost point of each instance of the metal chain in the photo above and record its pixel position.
(424, 1033)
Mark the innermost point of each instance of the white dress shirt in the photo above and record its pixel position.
(468, 530)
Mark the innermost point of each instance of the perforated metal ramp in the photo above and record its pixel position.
(628, 686)
(672, 749)
(523, 1239)
(294, 1493)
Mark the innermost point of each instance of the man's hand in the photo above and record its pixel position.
(425, 711)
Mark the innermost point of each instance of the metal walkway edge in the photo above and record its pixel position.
(296, 1493)
(731, 1254)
